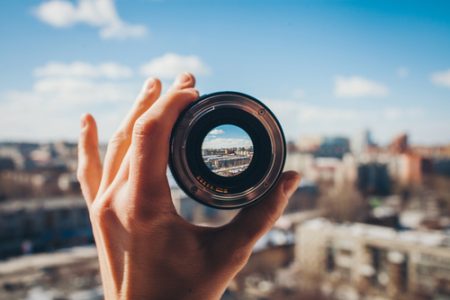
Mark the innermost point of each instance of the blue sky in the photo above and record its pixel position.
(324, 67)
(227, 136)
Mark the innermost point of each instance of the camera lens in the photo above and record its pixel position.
(227, 150)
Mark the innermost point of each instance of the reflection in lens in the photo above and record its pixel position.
(227, 150)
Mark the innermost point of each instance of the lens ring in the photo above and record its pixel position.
(245, 111)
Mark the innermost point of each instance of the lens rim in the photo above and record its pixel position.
(261, 143)
(200, 189)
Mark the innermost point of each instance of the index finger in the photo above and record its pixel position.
(150, 141)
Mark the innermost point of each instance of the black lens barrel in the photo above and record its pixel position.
(197, 180)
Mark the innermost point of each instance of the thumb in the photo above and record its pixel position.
(254, 221)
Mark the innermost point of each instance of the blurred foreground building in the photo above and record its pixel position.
(38, 225)
(360, 261)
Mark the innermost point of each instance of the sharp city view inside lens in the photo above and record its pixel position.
(227, 150)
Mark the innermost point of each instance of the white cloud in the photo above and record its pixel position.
(396, 113)
(402, 72)
(84, 70)
(312, 113)
(76, 91)
(171, 64)
(51, 107)
(356, 86)
(299, 119)
(121, 31)
(96, 13)
(218, 143)
(216, 132)
(441, 78)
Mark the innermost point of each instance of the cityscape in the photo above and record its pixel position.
(361, 90)
(368, 221)
(227, 161)
(227, 150)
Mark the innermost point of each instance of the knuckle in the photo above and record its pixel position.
(273, 216)
(119, 137)
(134, 221)
(81, 172)
(100, 212)
(147, 125)
(239, 256)
(185, 93)
(97, 211)
(138, 218)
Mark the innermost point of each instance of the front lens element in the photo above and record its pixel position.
(227, 150)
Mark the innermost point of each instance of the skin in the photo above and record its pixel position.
(145, 249)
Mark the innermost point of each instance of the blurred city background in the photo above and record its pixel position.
(361, 88)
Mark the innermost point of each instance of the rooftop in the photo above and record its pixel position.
(428, 238)
(53, 203)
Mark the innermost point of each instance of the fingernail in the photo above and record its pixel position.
(183, 78)
(83, 121)
(150, 83)
(291, 185)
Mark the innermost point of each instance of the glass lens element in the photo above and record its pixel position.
(227, 150)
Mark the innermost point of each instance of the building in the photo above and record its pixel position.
(334, 147)
(360, 260)
(373, 179)
(37, 225)
(309, 144)
(400, 144)
(71, 273)
(441, 166)
(362, 142)
(304, 198)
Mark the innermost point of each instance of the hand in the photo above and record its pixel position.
(145, 249)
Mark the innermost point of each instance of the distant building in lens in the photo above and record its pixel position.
(228, 151)
(227, 161)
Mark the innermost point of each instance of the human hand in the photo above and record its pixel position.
(145, 249)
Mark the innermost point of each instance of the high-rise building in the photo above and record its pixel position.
(361, 142)
(334, 147)
(400, 144)
(373, 179)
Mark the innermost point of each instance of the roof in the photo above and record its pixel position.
(32, 204)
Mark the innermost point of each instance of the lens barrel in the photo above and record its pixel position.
(264, 159)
